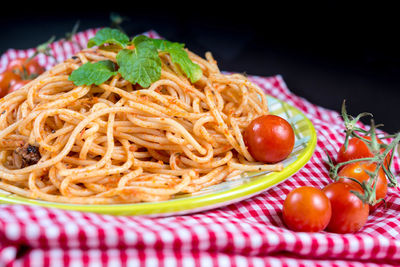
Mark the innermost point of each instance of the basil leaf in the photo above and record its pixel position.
(142, 65)
(93, 73)
(109, 36)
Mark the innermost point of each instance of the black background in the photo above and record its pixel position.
(325, 52)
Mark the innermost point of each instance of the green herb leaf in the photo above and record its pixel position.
(141, 38)
(109, 36)
(142, 65)
(181, 57)
(178, 56)
(164, 45)
(93, 73)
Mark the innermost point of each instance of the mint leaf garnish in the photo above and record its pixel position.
(109, 36)
(164, 45)
(141, 38)
(93, 73)
(141, 65)
(178, 56)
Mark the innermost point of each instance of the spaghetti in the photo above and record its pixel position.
(119, 143)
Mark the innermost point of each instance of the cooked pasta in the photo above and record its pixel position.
(119, 143)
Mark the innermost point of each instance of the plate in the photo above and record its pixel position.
(225, 193)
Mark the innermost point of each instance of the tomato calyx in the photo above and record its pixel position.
(116, 21)
(381, 155)
(351, 124)
(69, 36)
(43, 49)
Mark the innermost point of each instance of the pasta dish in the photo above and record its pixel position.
(120, 142)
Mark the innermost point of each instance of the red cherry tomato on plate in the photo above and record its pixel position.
(269, 139)
(349, 213)
(306, 209)
(7, 79)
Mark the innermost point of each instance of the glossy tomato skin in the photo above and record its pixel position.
(7, 79)
(357, 149)
(269, 138)
(17, 85)
(306, 209)
(31, 66)
(349, 213)
(356, 170)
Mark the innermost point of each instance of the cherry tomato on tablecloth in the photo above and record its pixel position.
(357, 149)
(31, 66)
(18, 73)
(17, 85)
(306, 209)
(7, 79)
(356, 170)
(269, 139)
(349, 213)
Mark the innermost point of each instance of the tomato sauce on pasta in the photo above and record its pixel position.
(119, 143)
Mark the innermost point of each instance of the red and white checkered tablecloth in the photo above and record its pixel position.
(248, 233)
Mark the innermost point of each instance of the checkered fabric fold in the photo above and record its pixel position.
(248, 233)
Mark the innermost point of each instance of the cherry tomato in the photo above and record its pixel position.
(358, 149)
(269, 138)
(31, 66)
(349, 213)
(7, 79)
(306, 209)
(356, 170)
(17, 85)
